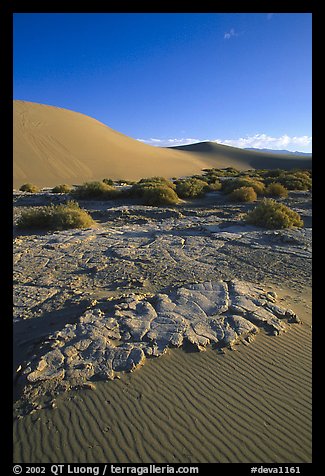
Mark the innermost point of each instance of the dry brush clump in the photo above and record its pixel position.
(155, 191)
(62, 188)
(96, 191)
(108, 181)
(191, 188)
(290, 179)
(29, 187)
(215, 186)
(243, 194)
(56, 217)
(275, 189)
(296, 181)
(228, 186)
(157, 180)
(223, 172)
(271, 214)
(159, 195)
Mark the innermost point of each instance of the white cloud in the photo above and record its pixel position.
(170, 142)
(263, 141)
(230, 34)
(259, 141)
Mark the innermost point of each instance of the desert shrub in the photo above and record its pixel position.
(211, 176)
(295, 181)
(63, 188)
(210, 179)
(124, 182)
(191, 188)
(198, 177)
(108, 181)
(301, 173)
(159, 195)
(159, 181)
(275, 189)
(243, 194)
(140, 188)
(290, 179)
(274, 173)
(225, 172)
(253, 173)
(272, 214)
(229, 171)
(56, 217)
(29, 187)
(230, 185)
(96, 191)
(215, 186)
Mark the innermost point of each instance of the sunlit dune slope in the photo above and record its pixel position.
(54, 145)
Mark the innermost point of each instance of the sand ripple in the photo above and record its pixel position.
(249, 405)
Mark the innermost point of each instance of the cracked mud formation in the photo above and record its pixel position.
(101, 346)
(90, 304)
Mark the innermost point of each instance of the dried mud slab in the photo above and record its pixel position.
(101, 345)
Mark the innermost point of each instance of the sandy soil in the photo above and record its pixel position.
(54, 145)
(248, 405)
(252, 405)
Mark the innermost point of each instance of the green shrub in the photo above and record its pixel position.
(271, 214)
(108, 181)
(275, 189)
(29, 187)
(296, 182)
(243, 194)
(159, 195)
(211, 177)
(230, 185)
(56, 217)
(96, 191)
(124, 182)
(140, 188)
(253, 173)
(215, 186)
(158, 180)
(191, 188)
(291, 180)
(275, 173)
(198, 177)
(63, 188)
(225, 172)
(301, 173)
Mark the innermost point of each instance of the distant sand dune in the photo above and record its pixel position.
(244, 159)
(54, 145)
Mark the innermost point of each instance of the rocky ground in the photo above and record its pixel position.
(91, 303)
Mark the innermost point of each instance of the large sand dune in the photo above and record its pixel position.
(54, 145)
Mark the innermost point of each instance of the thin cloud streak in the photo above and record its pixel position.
(263, 141)
(170, 142)
(259, 141)
(229, 34)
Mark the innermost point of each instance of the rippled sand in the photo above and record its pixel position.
(251, 405)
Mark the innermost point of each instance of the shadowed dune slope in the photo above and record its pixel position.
(54, 145)
(244, 159)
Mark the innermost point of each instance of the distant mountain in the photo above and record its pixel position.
(274, 151)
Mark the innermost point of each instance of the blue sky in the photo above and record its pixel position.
(168, 79)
